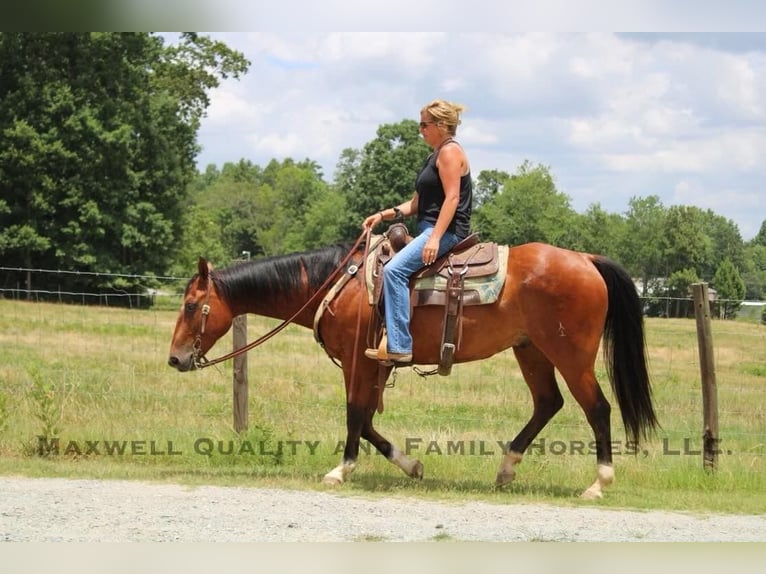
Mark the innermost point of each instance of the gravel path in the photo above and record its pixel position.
(63, 510)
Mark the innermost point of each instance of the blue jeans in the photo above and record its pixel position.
(396, 289)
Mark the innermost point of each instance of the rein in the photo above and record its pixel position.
(200, 361)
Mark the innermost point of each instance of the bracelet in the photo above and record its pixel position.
(381, 216)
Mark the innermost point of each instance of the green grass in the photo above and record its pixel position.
(98, 375)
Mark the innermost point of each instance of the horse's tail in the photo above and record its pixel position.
(625, 350)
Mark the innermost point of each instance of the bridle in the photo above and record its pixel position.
(199, 358)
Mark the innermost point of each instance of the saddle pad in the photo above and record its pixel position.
(487, 288)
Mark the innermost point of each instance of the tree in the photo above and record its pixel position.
(281, 208)
(754, 271)
(730, 289)
(296, 188)
(382, 174)
(234, 200)
(322, 221)
(202, 237)
(488, 185)
(685, 242)
(760, 238)
(640, 249)
(725, 240)
(598, 231)
(529, 208)
(678, 290)
(97, 146)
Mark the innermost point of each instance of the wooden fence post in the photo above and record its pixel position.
(239, 327)
(707, 368)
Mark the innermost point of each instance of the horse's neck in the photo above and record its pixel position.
(282, 308)
(281, 305)
(287, 309)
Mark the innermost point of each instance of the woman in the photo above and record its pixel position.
(442, 203)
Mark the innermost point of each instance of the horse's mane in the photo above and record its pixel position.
(278, 275)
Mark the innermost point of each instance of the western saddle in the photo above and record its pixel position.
(444, 283)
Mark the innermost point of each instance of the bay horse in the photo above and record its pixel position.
(555, 307)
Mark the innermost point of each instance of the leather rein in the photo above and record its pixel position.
(200, 361)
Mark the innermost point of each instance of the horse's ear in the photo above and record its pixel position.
(204, 267)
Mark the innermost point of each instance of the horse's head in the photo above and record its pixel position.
(204, 318)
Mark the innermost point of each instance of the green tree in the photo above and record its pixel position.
(201, 237)
(283, 207)
(529, 208)
(725, 240)
(297, 186)
(489, 183)
(233, 199)
(322, 224)
(97, 147)
(754, 271)
(730, 289)
(678, 292)
(640, 248)
(598, 231)
(686, 243)
(760, 238)
(381, 175)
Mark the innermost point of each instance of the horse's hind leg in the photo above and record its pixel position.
(540, 377)
(412, 467)
(587, 392)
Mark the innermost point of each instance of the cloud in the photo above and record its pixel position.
(613, 115)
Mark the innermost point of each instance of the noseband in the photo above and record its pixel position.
(199, 358)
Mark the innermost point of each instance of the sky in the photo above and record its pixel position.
(613, 116)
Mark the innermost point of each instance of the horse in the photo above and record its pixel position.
(555, 308)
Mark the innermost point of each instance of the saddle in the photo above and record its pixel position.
(468, 274)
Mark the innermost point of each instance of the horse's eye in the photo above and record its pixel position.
(190, 307)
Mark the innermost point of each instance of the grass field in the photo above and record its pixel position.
(94, 381)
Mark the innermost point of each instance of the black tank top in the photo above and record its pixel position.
(431, 198)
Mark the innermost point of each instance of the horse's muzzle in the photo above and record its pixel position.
(182, 365)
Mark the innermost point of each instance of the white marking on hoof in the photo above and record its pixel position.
(507, 472)
(338, 474)
(604, 477)
(411, 467)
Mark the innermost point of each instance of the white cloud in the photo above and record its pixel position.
(612, 115)
(744, 87)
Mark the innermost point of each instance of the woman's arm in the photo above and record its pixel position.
(406, 208)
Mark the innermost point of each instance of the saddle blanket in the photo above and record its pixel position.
(432, 290)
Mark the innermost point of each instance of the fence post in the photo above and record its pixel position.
(239, 327)
(710, 437)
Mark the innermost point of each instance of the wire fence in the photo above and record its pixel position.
(133, 348)
(13, 287)
(21, 292)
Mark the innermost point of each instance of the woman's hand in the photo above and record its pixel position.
(372, 220)
(430, 250)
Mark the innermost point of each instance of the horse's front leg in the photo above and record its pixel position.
(354, 423)
(359, 413)
(359, 425)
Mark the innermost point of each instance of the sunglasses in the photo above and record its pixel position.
(426, 124)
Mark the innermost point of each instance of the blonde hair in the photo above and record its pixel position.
(445, 113)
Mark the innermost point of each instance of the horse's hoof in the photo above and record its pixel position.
(591, 494)
(331, 480)
(504, 478)
(417, 470)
